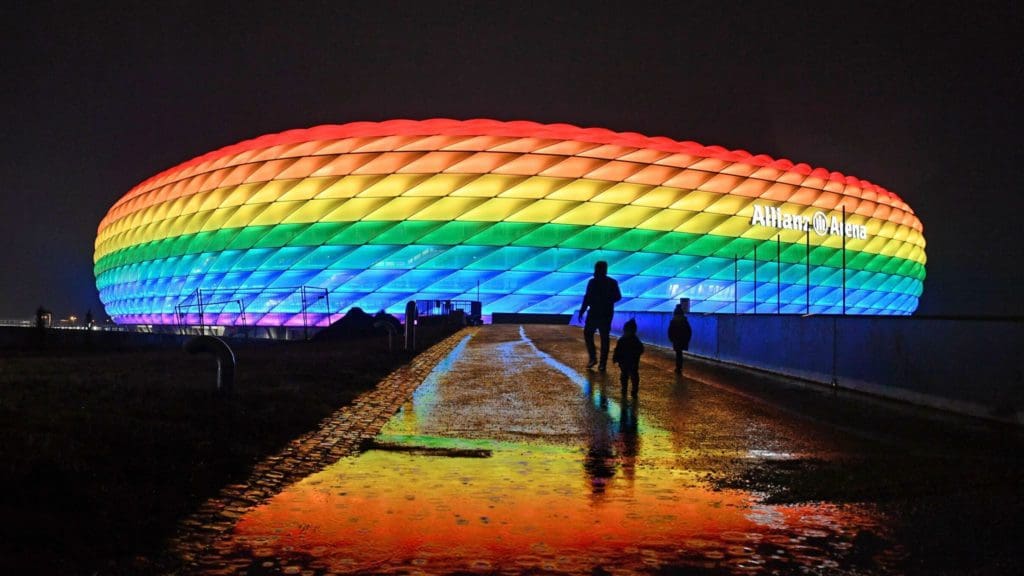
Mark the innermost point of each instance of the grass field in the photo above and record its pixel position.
(102, 452)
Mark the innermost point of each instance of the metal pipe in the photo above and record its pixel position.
(390, 329)
(199, 298)
(241, 314)
(735, 284)
(327, 298)
(305, 325)
(755, 279)
(410, 325)
(225, 359)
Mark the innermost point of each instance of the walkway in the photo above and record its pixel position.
(512, 457)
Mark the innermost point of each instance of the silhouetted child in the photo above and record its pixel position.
(627, 356)
(679, 333)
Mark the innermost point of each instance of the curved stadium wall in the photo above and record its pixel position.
(314, 222)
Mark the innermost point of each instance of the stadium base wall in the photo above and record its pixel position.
(969, 366)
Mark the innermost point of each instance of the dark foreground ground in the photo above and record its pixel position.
(721, 471)
(103, 451)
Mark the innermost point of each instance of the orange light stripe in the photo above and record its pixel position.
(491, 128)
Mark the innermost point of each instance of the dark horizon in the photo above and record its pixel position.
(920, 100)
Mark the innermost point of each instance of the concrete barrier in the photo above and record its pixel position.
(964, 365)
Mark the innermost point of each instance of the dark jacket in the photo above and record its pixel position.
(679, 332)
(627, 351)
(602, 294)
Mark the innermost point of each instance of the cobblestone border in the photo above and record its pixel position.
(338, 435)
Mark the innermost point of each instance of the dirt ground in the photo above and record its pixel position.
(103, 451)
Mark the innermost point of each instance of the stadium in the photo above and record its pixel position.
(296, 228)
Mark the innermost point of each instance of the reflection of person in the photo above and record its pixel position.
(679, 333)
(627, 356)
(602, 294)
(599, 461)
(628, 442)
(628, 424)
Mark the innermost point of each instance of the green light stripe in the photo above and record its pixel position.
(500, 234)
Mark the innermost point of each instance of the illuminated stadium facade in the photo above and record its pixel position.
(292, 228)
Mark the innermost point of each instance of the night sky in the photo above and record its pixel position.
(921, 100)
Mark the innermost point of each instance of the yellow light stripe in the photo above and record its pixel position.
(544, 211)
(489, 185)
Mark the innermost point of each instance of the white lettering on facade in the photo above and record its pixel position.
(821, 223)
(758, 218)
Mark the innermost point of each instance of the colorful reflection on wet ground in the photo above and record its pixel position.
(508, 460)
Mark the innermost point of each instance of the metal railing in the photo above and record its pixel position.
(195, 309)
(443, 307)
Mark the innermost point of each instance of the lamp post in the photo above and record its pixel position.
(843, 232)
(778, 273)
(807, 263)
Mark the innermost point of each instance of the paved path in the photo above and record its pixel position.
(512, 457)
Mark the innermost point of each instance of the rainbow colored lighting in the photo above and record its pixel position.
(288, 228)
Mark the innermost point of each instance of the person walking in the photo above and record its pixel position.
(602, 294)
(679, 333)
(627, 355)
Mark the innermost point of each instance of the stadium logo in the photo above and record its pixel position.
(821, 223)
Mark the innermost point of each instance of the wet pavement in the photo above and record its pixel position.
(512, 457)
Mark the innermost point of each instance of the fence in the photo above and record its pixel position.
(971, 366)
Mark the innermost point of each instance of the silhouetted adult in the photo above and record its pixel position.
(679, 333)
(602, 294)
